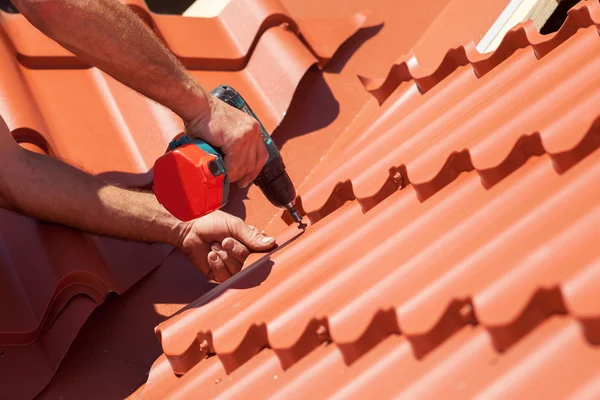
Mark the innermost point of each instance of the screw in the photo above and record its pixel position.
(397, 177)
(466, 311)
(204, 347)
(322, 332)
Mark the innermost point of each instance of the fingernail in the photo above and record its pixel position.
(228, 244)
(266, 239)
(213, 256)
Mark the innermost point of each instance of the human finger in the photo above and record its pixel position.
(247, 177)
(251, 238)
(235, 249)
(262, 155)
(218, 267)
(198, 258)
(232, 264)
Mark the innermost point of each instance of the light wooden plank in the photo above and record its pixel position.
(205, 8)
(516, 11)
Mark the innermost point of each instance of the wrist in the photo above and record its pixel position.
(178, 233)
(195, 105)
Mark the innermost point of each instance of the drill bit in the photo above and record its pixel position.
(297, 217)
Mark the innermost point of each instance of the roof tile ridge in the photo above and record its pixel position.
(273, 13)
(522, 35)
(527, 146)
(347, 28)
(428, 179)
(87, 284)
(541, 305)
(36, 134)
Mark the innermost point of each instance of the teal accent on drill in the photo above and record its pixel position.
(207, 148)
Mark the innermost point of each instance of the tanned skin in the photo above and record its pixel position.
(108, 35)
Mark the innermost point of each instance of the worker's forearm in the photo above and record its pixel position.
(108, 35)
(53, 191)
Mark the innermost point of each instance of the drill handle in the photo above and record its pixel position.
(230, 96)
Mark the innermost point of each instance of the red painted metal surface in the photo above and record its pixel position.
(47, 270)
(116, 347)
(26, 370)
(224, 42)
(42, 85)
(454, 284)
(465, 365)
(135, 130)
(477, 277)
(499, 100)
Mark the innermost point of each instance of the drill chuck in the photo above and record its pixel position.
(276, 184)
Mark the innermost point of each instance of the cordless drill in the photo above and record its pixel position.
(190, 179)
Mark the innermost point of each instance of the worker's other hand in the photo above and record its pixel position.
(219, 243)
(238, 136)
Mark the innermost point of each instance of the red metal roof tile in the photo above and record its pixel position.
(487, 247)
(466, 365)
(308, 291)
(45, 267)
(233, 35)
(57, 264)
(117, 346)
(134, 132)
(522, 35)
(25, 370)
(483, 104)
(340, 76)
(424, 279)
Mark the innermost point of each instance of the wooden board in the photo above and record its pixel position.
(517, 11)
(205, 8)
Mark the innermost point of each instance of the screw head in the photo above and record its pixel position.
(204, 346)
(466, 311)
(322, 332)
(397, 177)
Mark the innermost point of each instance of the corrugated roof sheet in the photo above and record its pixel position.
(477, 277)
(56, 105)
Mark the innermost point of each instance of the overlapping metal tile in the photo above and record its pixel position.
(465, 366)
(116, 347)
(26, 370)
(44, 267)
(53, 104)
(494, 226)
(224, 42)
(499, 102)
(135, 130)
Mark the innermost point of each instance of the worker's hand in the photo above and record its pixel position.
(219, 243)
(238, 136)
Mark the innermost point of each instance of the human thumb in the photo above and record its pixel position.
(252, 238)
